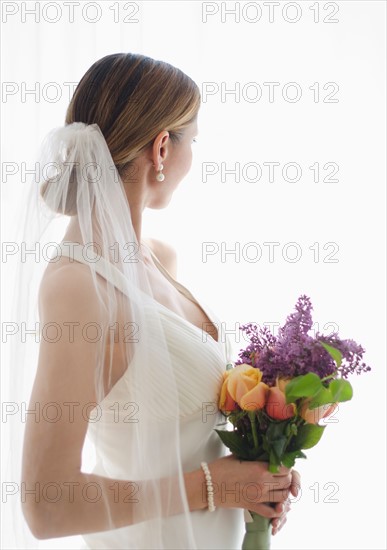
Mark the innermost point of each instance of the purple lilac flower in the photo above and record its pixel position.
(352, 354)
(294, 352)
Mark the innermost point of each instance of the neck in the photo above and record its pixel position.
(73, 232)
(136, 200)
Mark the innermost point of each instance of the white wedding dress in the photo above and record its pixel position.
(199, 362)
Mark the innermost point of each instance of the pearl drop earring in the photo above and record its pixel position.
(160, 176)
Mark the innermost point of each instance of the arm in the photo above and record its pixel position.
(52, 452)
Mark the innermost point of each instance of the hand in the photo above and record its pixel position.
(250, 485)
(278, 522)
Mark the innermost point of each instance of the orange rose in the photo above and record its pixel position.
(276, 406)
(242, 385)
(226, 402)
(313, 416)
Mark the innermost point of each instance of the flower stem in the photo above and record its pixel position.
(333, 375)
(253, 419)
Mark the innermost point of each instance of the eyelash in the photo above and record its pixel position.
(194, 140)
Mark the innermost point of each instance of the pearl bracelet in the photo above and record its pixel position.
(210, 487)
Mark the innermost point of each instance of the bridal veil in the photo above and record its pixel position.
(80, 175)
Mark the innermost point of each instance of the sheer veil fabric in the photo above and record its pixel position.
(79, 176)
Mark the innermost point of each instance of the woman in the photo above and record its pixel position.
(132, 367)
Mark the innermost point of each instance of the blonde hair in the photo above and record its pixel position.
(132, 98)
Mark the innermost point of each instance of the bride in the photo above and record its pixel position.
(137, 362)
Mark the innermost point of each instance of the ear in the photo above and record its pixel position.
(160, 148)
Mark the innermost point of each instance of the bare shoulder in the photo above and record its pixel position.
(165, 253)
(67, 286)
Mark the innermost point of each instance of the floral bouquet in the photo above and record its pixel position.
(277, 393)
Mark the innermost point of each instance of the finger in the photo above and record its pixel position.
(295, 485)
(275, 525)
(283, 482)
(287, 505)
(296, 478)
(265, 510)
(279, 526)
(283, 509)
(276, 496)
(282, 471)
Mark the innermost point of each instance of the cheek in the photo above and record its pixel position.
(187, 160)
(183, 166)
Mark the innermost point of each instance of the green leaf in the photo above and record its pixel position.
(333, 352)
(274, 462)
(289, 459)
(278, 446)
(276, 429)
(341, 390)
(235, 443)
(291, 429)
(322, 397)
(307, 437)
(302, 386)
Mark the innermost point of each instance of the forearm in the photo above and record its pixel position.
(196, 490)
(90, 503)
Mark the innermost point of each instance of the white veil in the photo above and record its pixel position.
(78, 175)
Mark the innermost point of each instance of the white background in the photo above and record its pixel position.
(350, 132)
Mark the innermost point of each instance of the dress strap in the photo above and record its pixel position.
(184, 290)
(181, 288)
(112, 274)
(104, 268)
